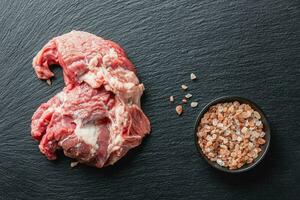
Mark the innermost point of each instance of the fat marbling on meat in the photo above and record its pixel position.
(97, 117)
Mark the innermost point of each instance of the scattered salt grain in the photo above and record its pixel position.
(172, 98)
(48, 81)
(179, 109)
(184, 87)
(193, 76)
(74, 164)
(194, 104)
(188, 96)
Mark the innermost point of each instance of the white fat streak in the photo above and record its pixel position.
(116, 143)
(89, 133)
(93, 62)
(90, 78)
(66, 138)
(130, 91)
(128, 85)
(113, 82)
(113, 53)
(116, 139)
(62, 97)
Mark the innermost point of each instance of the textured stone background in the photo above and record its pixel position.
(241, 47)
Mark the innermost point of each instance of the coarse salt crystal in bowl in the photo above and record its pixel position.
(219, 163)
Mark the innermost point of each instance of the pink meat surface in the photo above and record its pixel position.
(84, 57)
(97, 117)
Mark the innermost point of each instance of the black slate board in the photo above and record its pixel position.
(242, 47)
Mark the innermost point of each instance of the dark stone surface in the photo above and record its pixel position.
(242, 47)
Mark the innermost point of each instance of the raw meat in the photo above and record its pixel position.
(97, 117)
(85, 57)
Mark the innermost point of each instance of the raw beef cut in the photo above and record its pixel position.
(85, 57)
(97, 117)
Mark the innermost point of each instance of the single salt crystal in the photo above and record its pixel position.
(244, 130)
(184, 87)
(193, 76)
(74, 164)
(209, 138)
(227, 132)
(171, 98)
(250, 145)
(247, 123)
(220, 162)
(194, 104)
(256, 115)
(239, 139)
(258, 123)
(179, 109)
(255, 155)
(225, 140)
(214, 136)
(220, 125)
(237, 122)
(256, 134)
(215, 122)
(188, 96)
(206, 126)
(48, 81)
(220, 109)
(224, 128)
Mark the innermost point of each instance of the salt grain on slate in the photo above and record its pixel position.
(74, 164)
(194, 104)
(193, 76)
(188, 96)
(179, 109)
(48, 82)
(184, 87)
(171, 98)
